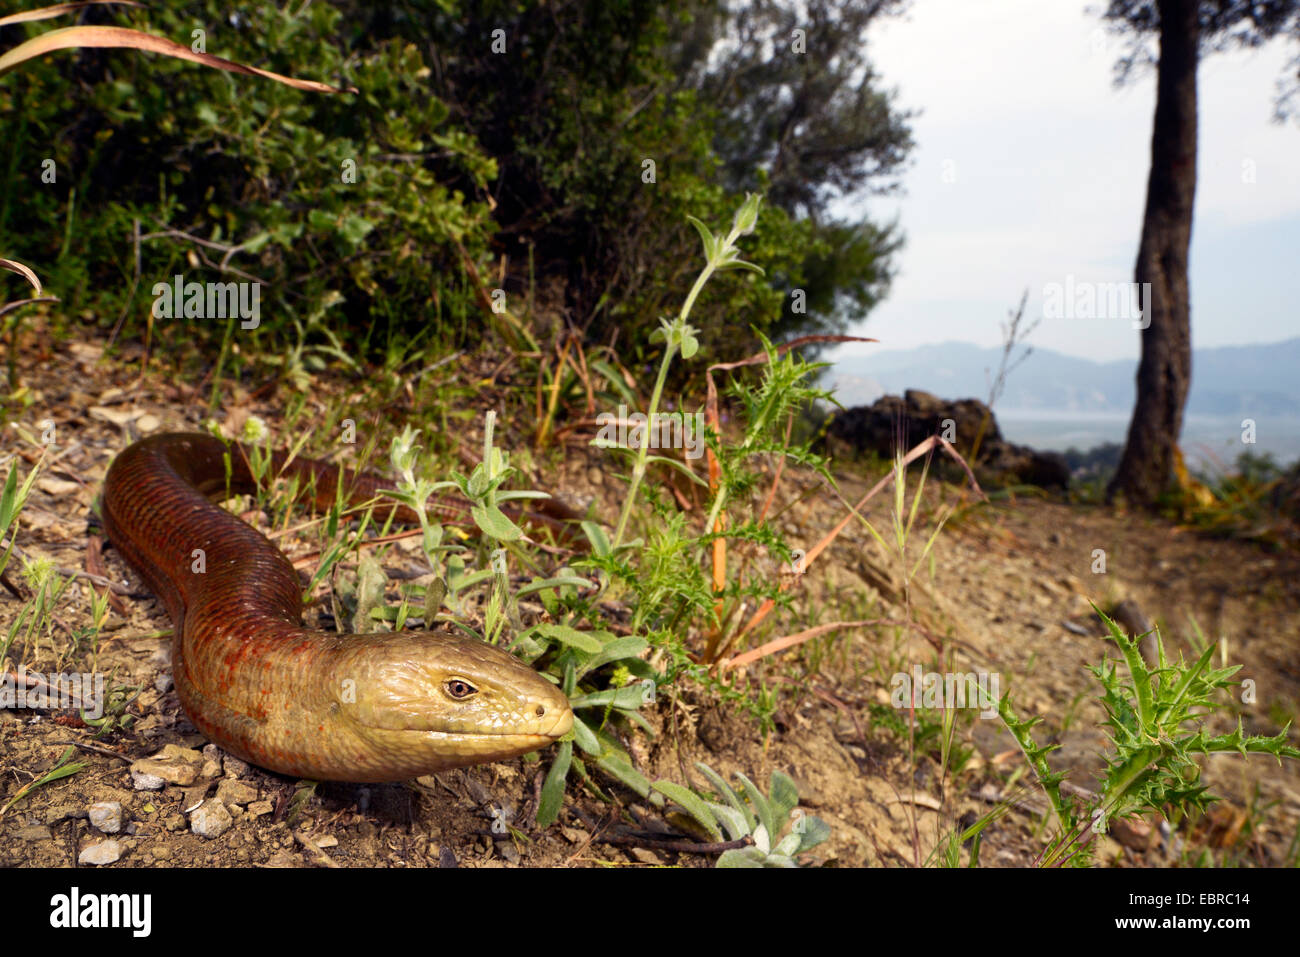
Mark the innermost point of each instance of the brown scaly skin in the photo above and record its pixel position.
(385, 706)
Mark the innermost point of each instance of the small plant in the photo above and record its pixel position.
(678, 335)
(779, 830)
(1156, 723)
(63, 768)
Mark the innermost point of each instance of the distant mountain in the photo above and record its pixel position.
(1229, 380)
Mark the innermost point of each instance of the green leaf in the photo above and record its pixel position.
(586, 739)
(724, 789)
(434, 593)
(494, 523)
(621, 770)
(679, 466)
(564, 635)
(542, 584)
(740, 264)
(631, 697)
(732, 821)
(788, 846)
(615, 380)
(548, 807)
(696, 806)
(596, 536)
(355, 228)
(521, 494)
(812, 831)
(255, 244)
(762, 807)
(742, 857)
(706, 237)
(371, 582)
(628, 646)
(784, 794)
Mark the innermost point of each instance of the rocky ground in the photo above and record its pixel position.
(1007, 592)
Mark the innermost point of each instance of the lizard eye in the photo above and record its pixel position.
(458, 688)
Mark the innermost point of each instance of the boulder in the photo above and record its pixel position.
(892, 423)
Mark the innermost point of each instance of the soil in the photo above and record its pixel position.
(1006, 591)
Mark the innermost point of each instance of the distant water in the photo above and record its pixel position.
(1208, 441)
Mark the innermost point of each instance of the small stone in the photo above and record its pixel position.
(509, 853)
(211, 769)
(162, 684)
(231, 792)
(235, 768)
(258, 808)
(143, 780)
(106, 815)
(327, 840)
(160, 852)
(210, 819)
(1134, 833)
(105, 852)
(575, 835)
(646, 857)
(57, 487)
(171, 765)
(284, 859)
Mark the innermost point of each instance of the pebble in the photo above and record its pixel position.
(210, 819)
(105, 852)
(171, 765)
(235, 768)
(144, 780)
(574, 835)
(232, 792)
(106, 815)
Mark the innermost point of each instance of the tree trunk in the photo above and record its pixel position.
(1165, 371)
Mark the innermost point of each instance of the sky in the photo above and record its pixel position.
(1030, 171)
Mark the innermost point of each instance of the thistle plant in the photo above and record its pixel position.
(1156, 723)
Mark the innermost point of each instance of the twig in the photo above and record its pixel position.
(681, 847)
